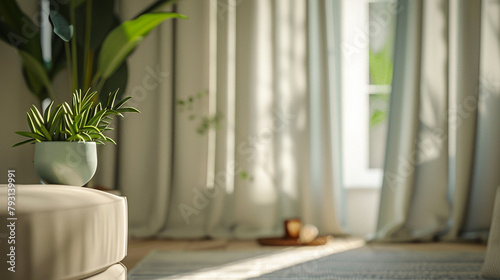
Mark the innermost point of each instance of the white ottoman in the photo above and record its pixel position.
(63, 232)
(116, 272)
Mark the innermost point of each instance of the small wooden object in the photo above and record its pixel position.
(296, 235)
(292, 228)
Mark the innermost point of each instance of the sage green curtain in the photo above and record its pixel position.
(443, 150)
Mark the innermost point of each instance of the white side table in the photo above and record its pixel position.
(62, 232)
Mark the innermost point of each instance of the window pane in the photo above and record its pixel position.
(379, 108)
(382, 22)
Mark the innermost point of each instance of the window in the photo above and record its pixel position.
(368, 31)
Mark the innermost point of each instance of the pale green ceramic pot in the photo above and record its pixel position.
(65, 163)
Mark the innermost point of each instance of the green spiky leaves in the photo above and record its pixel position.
(83, 120)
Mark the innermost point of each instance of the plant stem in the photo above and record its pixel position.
(68, 62)
(89, 66)
(86, 49)
(97, 82)
(74, 61)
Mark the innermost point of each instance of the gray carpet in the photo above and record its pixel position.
(362, 263)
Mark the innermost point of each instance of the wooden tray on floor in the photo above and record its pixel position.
(280, 241)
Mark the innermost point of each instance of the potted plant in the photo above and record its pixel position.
(93, 44)
(66, 135)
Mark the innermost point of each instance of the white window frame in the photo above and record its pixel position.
(355, 92)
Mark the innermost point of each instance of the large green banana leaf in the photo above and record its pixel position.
(123, 40)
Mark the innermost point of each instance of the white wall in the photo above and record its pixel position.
(15, 101)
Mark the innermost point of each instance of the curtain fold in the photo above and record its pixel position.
(438, 180)
(257, 142)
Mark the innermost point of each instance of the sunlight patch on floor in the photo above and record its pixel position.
(267, 263)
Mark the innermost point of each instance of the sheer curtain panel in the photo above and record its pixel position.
(442, 152)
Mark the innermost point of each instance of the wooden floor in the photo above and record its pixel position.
(138, 249)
